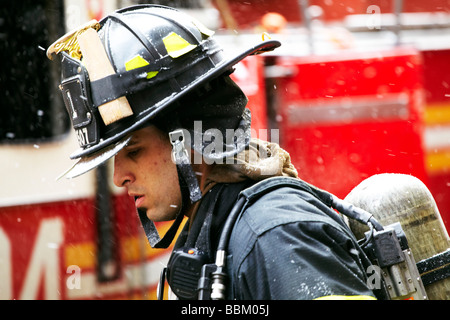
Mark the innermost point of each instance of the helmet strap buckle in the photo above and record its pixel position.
(179, 152)
(180, 157)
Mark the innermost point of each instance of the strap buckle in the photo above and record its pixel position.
(179, 152)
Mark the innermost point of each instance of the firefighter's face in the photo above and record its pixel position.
(146, 169)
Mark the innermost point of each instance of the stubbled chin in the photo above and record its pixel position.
(161, 216)
(155, 217)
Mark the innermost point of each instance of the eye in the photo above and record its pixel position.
(133, 153)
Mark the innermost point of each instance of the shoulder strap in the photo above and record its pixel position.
(270, 184)
(203, 233)
(327, 198)
(267, 185)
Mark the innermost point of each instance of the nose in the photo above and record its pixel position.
(122, 175)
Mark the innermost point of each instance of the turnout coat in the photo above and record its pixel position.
(286, 243)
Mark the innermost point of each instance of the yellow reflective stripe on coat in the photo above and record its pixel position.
(338, 297)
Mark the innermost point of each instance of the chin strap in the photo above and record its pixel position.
(190, 193)
(152, 233)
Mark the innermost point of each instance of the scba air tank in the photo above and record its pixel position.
(405, 199)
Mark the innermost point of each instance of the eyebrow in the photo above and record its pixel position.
(132, 142)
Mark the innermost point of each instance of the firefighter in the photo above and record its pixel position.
(179, 131)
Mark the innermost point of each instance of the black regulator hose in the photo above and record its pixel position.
(356, 213)
(219, 276)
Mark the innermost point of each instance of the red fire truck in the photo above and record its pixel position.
(357, 88)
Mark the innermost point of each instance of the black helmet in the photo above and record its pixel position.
(171, 72)
(160, 57)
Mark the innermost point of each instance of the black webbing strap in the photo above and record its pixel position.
(204, 232)
(435, 268)
(125, 83)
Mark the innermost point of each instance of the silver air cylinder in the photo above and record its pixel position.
(405, 199)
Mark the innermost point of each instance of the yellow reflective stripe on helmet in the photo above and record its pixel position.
(176, 46)
(339, 297)
(138, 62)
(201, 27)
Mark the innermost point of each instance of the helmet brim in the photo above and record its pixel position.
(96, 155)
(90, 162)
